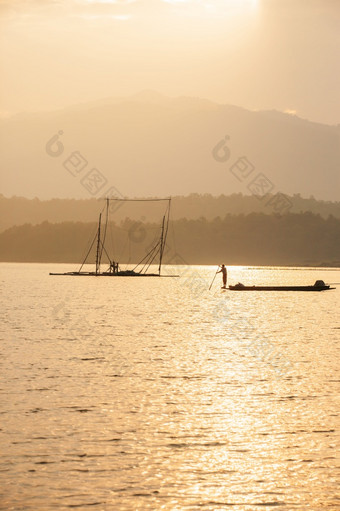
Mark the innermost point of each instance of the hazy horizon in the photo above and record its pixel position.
(257, 54)
(174, 196)
(153, 145)
(148, 95)
(143, 92)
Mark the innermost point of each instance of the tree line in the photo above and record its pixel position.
(301, 239)
(19, 210)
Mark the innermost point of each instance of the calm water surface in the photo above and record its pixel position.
(156, 394)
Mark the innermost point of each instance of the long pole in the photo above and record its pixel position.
(161, 247)
(98, 247)
(102, 243)
(213, 278)
(164, 235)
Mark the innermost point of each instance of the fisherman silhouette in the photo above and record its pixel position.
(223, 270)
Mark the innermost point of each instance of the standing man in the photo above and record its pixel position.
(223, 270)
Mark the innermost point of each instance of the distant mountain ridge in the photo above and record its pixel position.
(151, 145)
(18, 210)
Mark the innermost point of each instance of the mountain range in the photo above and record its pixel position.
(16, 211)
(152, 145)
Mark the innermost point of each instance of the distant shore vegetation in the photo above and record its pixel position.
(19, 210)
(293, 239)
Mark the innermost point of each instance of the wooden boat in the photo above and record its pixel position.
(318, 286)
(140, 269)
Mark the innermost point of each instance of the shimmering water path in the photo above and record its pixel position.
(156, 394)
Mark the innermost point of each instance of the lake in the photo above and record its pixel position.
(158, 394)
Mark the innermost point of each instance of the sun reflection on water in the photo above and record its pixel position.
(162, 395)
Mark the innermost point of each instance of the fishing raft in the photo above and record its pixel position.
(142, 269)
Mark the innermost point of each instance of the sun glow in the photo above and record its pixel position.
(113, 2)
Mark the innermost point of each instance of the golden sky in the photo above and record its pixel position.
(259, 54)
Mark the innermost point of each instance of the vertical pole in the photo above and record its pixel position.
(161, 247)
(98, 247)
(164, 235)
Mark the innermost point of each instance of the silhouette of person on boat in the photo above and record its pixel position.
(114, 267)
(223, 270)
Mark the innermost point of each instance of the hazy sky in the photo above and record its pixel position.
(259, 54)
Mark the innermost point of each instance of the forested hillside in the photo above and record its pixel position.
(254, 239)
(18, 210)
